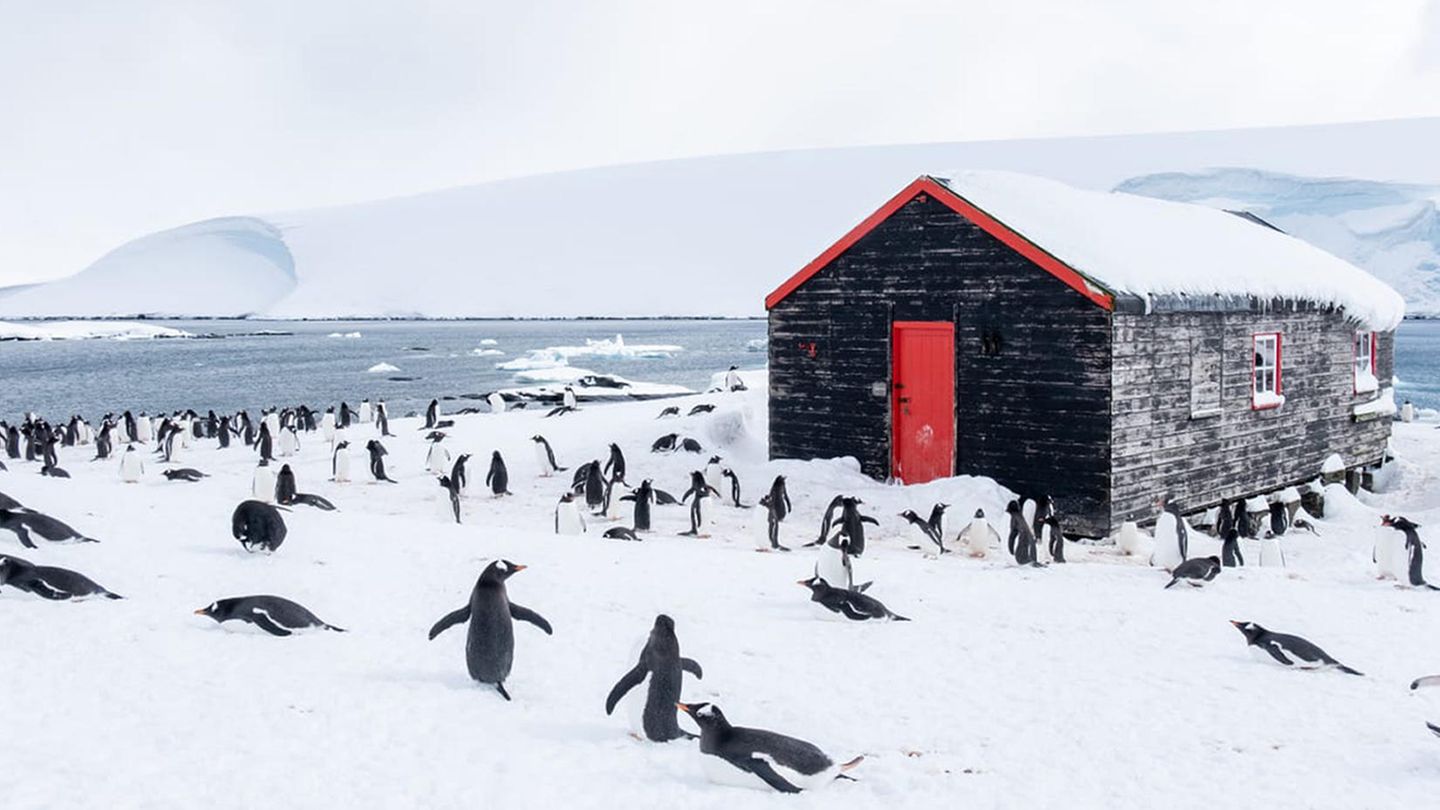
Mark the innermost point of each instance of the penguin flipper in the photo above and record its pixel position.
(868, 519)
(691, 666)
(627, 682)
(500, 687)
(450, 620)
(762, 769)
(525, 614)
(262, 620)
(1274, 650)
(40, 587)
(24, 535)
(1434, 729)
(850, 612)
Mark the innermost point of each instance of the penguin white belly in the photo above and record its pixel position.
(342, 467)
(186, 431)
(1128, 540)
(262, 487)
(438, 460)
(760, 530)
(569, 399)
(833, 566)
(273, 420)
(1271, 554)
(130, 468)
(364, 413)
(289, 443)
(568, 519)
(714, 478)
(327, 427)
(1167, 543)
(497, 403)
(1390, 559)
(142, 429)
(720, 772)
(617, 506)
(542, 460)
(977, 538)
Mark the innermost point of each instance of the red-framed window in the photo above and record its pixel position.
(1365, 379)
(1265, 390)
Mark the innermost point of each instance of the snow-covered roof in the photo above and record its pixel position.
(1146, 247)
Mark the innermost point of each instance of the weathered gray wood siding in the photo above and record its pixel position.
(1035, 416)
(1159, 446)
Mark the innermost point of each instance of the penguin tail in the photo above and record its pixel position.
(333, 628)
(109, 595)
(1349, 671)
(561, 469)
(896, 617)
(84, 539)
(1434, 729)
(1172, 582)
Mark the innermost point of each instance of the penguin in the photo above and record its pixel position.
(927, 530)
(777, 506)
(184, 474)
(665, 444)
(714, 475)
(103, 442)
(1414, 548)
(734, 488)
(223, 432)
(365, 414)
(273, 614)
(498, 479)
(144, 431)
(264, 444)
(27, 523)
(1171, 535)
(1197, 571)
(1224, 519)
(490, 644)
(568, 399)
(377, 460)
(610, 505)
(568, 519)
(691, 446)
(452, 491)
(340, 463)
(1291, 651)
(703, 407)
(1272, 554)
(673, 410)
(852, 526)
(661, 671)
(615, 465)
(827, 519)
(48, 582)
(1054, 537)
(327, 424)
(459, 476)
(289, 441)
(1230, 556)
(1021, 541)
(132, 467)
(1279, 519)
(594, 487)
(285, 486)
(258, 526)
(733, 381)
(734, 755)
(347, 416)
(559, 410)
(432, 414)
(978, 536)
(699, 490)
(853, 605)
(643, 496)
(382, 418)
(306, 499)
(545, 457)
(621, 533)
(834, 565)
(1127, 540)
(262, 483)
(437, 460)
(1043, 508)
(53, 471)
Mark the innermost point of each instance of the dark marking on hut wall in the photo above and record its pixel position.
(1206, 362)
(1032, 360)
(1159, 447)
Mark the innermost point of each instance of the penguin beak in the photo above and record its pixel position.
(200, 612)
(517, 569)
(683, 707)
(802, 582)
(1237, 624)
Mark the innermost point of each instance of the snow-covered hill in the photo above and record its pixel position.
(1390, 229)
(706, 236)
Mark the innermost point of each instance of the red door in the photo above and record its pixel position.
(923, 405)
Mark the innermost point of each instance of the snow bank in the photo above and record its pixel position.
(87, 330)
(1382, 405)
(1145, 246)
(381, 367)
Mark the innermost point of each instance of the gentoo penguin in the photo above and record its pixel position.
(459, 476)
(496, 402)
(1279, 519)
(673, 410)
(1224, 519)
(340, 463)
(1054, 538)
(258, 526)
(1230, 555)
(928, 532)
(327, 424)
(364, 415)
(47, 581)
(978, 536)
(307, 499)
(734, 755)
(643, 496)
(568, 399)
(834, 566)
(437, 460)
(272, 420)
(1171, 535)
(1197, 571)
(734, 488)
(1127, 540)
(1272, 554)
(1021, 541)
(1292, 651)
(347, 416)
(285, 486)
(264, 444)
(432, 414)
(853, 605)
(382, 418)
(104, 442)
(490, 644)
(699, 490)
(615, 465)
(452, 491)
(545, 457)
(498, 478)
(714, 475)
(777, 506)
(27, 524)
(661, 670)
(852, 526)
(732, 380)
(144, 431)
(52, 471)
(690, 445)
(594, 487)
(703, 407)
(621, 533)
(665, 444)
(273, 614)
(262, 483)
(568, 519)
(132, 466)
(1414, 549)
(289, 441)
(184, 474)
(377, 460)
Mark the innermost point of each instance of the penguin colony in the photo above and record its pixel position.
(598, 494)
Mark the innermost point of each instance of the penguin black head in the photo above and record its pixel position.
(500, 570)
(495, 456)
(568, 497)
(341, 445)
(462, 458)
(815, 584)
(445, 481)
(909, 514)
(1012, 508)
(706, 715)
(713, 460)
(1250, 629)
(435, 436)
(664, 624)
(214, 610)
(1398, 522)
(980, 514)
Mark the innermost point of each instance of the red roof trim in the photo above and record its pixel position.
(963, 207)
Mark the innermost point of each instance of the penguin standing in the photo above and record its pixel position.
(453, 493)
(545, 457)
(285, 486)
(289, 441)
(661, 671)
(1171, 536)
(347, 416)
(568, 399)
(262, 483)
(1414, 548)
(714, 474)
(615, 464)
(459, 477)
(327, 425)
(852, 526)
(490, 643)
(103, 442)
(777, 507)
(437, 460)
(1021, 541)
(258, 526)
(496, 402)
(568, 519)
(132, 467)
(1127, 540)
(734, 488)
(365, 416)
(644, 497)
(144, 431)
(432, 414)
(382, 418)
(594, 487)
(978, 536)
(340, 463)
(498, 479)
(1054, 537)
(699, 490)
(1272, 554)
(1230, 556)
(834, 566)
(748, 757)
(377, 460)
(264, 444)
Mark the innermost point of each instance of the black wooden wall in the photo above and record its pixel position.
(1035, 416)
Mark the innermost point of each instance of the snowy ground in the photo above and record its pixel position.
(1083, 685)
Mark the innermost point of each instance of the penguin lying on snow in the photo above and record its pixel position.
(703, 407)
(673, 410)
(490, 644)
(665, 444)
(662, 670)
(273, 614)
(54, 472)
(27, 522)
(852, 605)
(49, 582)
(621, 533)
(184, 474)
(258, 526)
(1291, 651)
(736, 755)
(1196, 572)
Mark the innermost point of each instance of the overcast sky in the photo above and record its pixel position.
(120, 118)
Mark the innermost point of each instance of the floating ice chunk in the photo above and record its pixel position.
(379, 368)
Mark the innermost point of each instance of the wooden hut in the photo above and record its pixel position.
(1101, 348)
